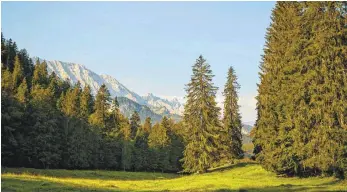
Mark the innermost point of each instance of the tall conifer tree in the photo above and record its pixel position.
(147, 126)
(86, 102)
(298, 130)
(232, 117)
(17, 75)
(101, 107)
(23, 92)
(134, 123)
(201, 116)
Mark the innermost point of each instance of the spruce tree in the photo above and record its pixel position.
(101, 107)
(22, 94)
(134, 124)
(54, 84)
(141, 158)
(147, 126)
(6, 80)
(158, 141)
(201, 117)
(232, 117)
(11, 122)
(300, 129)
(176, 149)
(325, 77)
(45, 131)
(11, 53)
(127, 145)
(158, 136)
(71, 102)
(3, 50)
(17, 75)
(86, 102)
(28, 66)
(40, 76)
(116, 117)
(278, 55)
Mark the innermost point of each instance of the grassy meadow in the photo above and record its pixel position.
(246, 176)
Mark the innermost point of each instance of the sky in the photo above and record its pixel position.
(149, 47)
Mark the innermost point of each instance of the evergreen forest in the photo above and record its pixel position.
(301, 126)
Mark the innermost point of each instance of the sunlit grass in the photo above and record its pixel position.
(240, 177)
(248, 149)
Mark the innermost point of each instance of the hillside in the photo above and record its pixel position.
(127, 107)
(150, 105)
(239, 177)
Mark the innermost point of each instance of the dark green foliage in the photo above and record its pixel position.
(27, 63)
(141, 154)
(8, 53)
(176, 146)
(302, 109)
(159, 143)
(48, 123)
(302, 95)
(111, 152)
(101, 107)
(45, 133)
(115, 117)
(134, 124)
(3, 50)
(11, 114)
(232, 118)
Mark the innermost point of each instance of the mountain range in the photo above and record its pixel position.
(148, 105)
(129, 101)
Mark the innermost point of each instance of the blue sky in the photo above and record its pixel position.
(147, 46)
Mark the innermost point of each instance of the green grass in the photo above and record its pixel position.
(248, 149)
(240, 177)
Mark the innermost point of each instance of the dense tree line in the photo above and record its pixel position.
(49, 123)
(302, 101)
(301, 128)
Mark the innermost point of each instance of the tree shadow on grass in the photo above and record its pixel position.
(22, 185)
(232, 166)
(92, 174)
(279, 188)
(11, 185)
(15, 184)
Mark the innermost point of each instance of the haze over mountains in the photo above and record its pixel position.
(147, 105)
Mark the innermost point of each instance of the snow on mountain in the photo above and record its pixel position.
(181, 100)
(77, 72)
(119, 90)
(172, 105)
(246, 129)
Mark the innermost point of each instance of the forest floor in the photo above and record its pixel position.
(246, 176)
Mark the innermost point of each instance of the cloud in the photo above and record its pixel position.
(247, 105)
(248, 108)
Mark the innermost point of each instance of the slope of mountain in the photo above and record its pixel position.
(150, 104)
(164, 106)
(119, 90)
(246, 129)
(127, 107)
